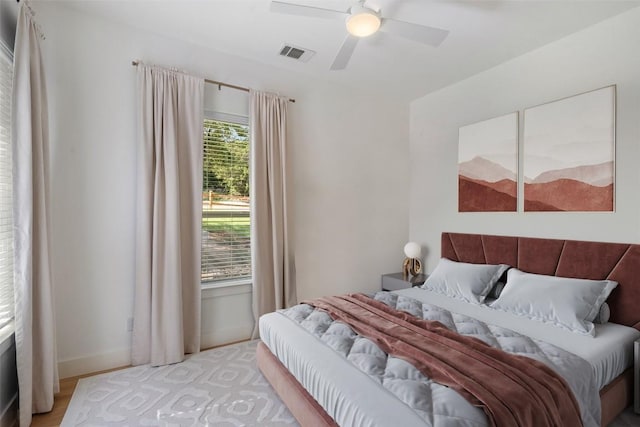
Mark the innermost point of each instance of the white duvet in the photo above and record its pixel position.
(609, 353)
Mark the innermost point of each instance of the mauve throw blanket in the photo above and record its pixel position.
(512, 390)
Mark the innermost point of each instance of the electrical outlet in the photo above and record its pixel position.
(130, 324)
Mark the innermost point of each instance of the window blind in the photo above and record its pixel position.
(226, 242)
(6, 190)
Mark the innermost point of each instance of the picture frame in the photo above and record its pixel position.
(488, 165)
(569, 153)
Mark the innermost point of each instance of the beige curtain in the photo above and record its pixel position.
(34, 317)
(169, 215)
(272, 252)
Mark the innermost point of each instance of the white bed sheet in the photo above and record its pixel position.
(610, 352)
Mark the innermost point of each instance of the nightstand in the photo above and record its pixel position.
(395, 281)
(636, 376)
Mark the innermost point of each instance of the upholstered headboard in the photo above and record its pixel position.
(564, 258)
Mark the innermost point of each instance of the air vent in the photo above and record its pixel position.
(296, 52)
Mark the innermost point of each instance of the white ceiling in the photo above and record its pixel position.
(482, 34)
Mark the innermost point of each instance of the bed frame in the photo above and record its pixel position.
(563, 258)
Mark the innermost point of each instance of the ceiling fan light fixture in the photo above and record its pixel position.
(363, 22)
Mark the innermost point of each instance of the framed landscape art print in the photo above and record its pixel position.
(488, 165)
(569, 153)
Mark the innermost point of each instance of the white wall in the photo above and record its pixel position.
(349, 154)
(604, 54)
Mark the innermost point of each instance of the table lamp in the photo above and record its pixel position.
(412, 264)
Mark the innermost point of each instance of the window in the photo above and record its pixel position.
(6, 209)
(226, 244)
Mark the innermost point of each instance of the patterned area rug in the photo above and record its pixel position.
(220, 387)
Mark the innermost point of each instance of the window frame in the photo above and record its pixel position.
(241, 120)
(7, 326)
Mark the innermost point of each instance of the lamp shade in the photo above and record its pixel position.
(362, 22)
(412, 250)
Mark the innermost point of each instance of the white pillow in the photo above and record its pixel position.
(468, 282)
(571, 304)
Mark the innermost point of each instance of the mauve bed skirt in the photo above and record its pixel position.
(614, 397)
(302, 406)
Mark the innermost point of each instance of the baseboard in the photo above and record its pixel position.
(94, 363)
(228, 304)
(226, 336)
(116, 359)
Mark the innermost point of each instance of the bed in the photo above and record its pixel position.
(353, 396)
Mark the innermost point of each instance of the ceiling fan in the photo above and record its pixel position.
(363, 21)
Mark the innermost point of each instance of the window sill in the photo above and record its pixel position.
(226, 288)
(226, 284)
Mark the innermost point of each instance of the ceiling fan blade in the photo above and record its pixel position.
(419, 33)
(300, 10)
(345, 52)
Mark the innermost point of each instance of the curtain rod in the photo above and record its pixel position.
(215, 82)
